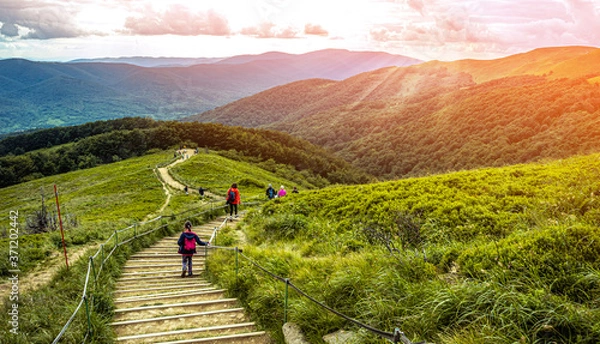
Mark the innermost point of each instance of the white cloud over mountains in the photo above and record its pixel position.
(178, 20)
(440, 29)
(33, 19)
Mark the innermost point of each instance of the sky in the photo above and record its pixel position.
(61, 30)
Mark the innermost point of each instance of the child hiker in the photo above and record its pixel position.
(187, 247)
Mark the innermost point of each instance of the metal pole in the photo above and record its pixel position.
(94, 272)
(236, 261)
(62, 232)
(206, 258)
(101, 256)
(285, 302)
(87, 311)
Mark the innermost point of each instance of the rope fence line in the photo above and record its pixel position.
(91, 267)
(395, 337)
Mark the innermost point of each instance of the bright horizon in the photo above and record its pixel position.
(62, 30)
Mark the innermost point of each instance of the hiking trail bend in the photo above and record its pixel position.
(170, 181)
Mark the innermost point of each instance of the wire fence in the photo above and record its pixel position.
(396, 336)
(127, 236)
(120, 237)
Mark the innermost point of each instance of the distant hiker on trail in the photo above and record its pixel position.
(233, 199)
(187, 247)
(201, 192)
(185, 189)
(281, 192)
(271, 192)
(295, 190)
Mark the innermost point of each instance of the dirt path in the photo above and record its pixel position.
(166, 176)
(168, 179)
(44, 272)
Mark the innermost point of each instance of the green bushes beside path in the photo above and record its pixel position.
(507, 255)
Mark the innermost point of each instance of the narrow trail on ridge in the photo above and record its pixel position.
(170, 181)
(167, 181)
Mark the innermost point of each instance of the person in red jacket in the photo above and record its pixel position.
(233, 199)
(187, 247)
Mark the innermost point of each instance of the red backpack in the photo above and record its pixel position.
(189, 244)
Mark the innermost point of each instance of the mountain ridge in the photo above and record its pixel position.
(437, 117)
(164, 92)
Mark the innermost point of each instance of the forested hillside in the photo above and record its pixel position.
(48, 94)
(438, 117)
(104, 142)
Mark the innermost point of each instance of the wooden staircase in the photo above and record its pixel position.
(154, 304)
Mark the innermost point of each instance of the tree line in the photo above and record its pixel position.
(105, 142)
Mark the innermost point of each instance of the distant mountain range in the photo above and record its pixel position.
(47, 94)
(440, 116)
(151, 62)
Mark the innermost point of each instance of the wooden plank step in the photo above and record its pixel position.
(162, 255)
(219, 338)
(178, 316)
(178, 293)
(154, 255)
(182, 322)
(170, 287)
(176, 305)
(170, 296)
(161, 282)
(150, 266)
(188, 331)
(175, 309)
(146, 272)
(159, 260)
(157, 278)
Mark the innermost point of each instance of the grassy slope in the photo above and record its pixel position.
(513, 255)
(559, 62)
(104, 198)
(113, 196)
(216, 174)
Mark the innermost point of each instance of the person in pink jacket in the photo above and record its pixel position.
(281, 192)
(187, 247)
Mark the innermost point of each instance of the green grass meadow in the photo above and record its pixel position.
(499, 255)
(102, 200)
(216, 173)
(94, 203)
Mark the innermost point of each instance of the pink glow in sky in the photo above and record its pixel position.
(424, 29)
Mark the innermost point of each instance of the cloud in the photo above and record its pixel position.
(9, 30)
(178, 20)
(38, 19)
(492, 27)
(310, 29)
(446, 28)
(269, 30)
(417, 5)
